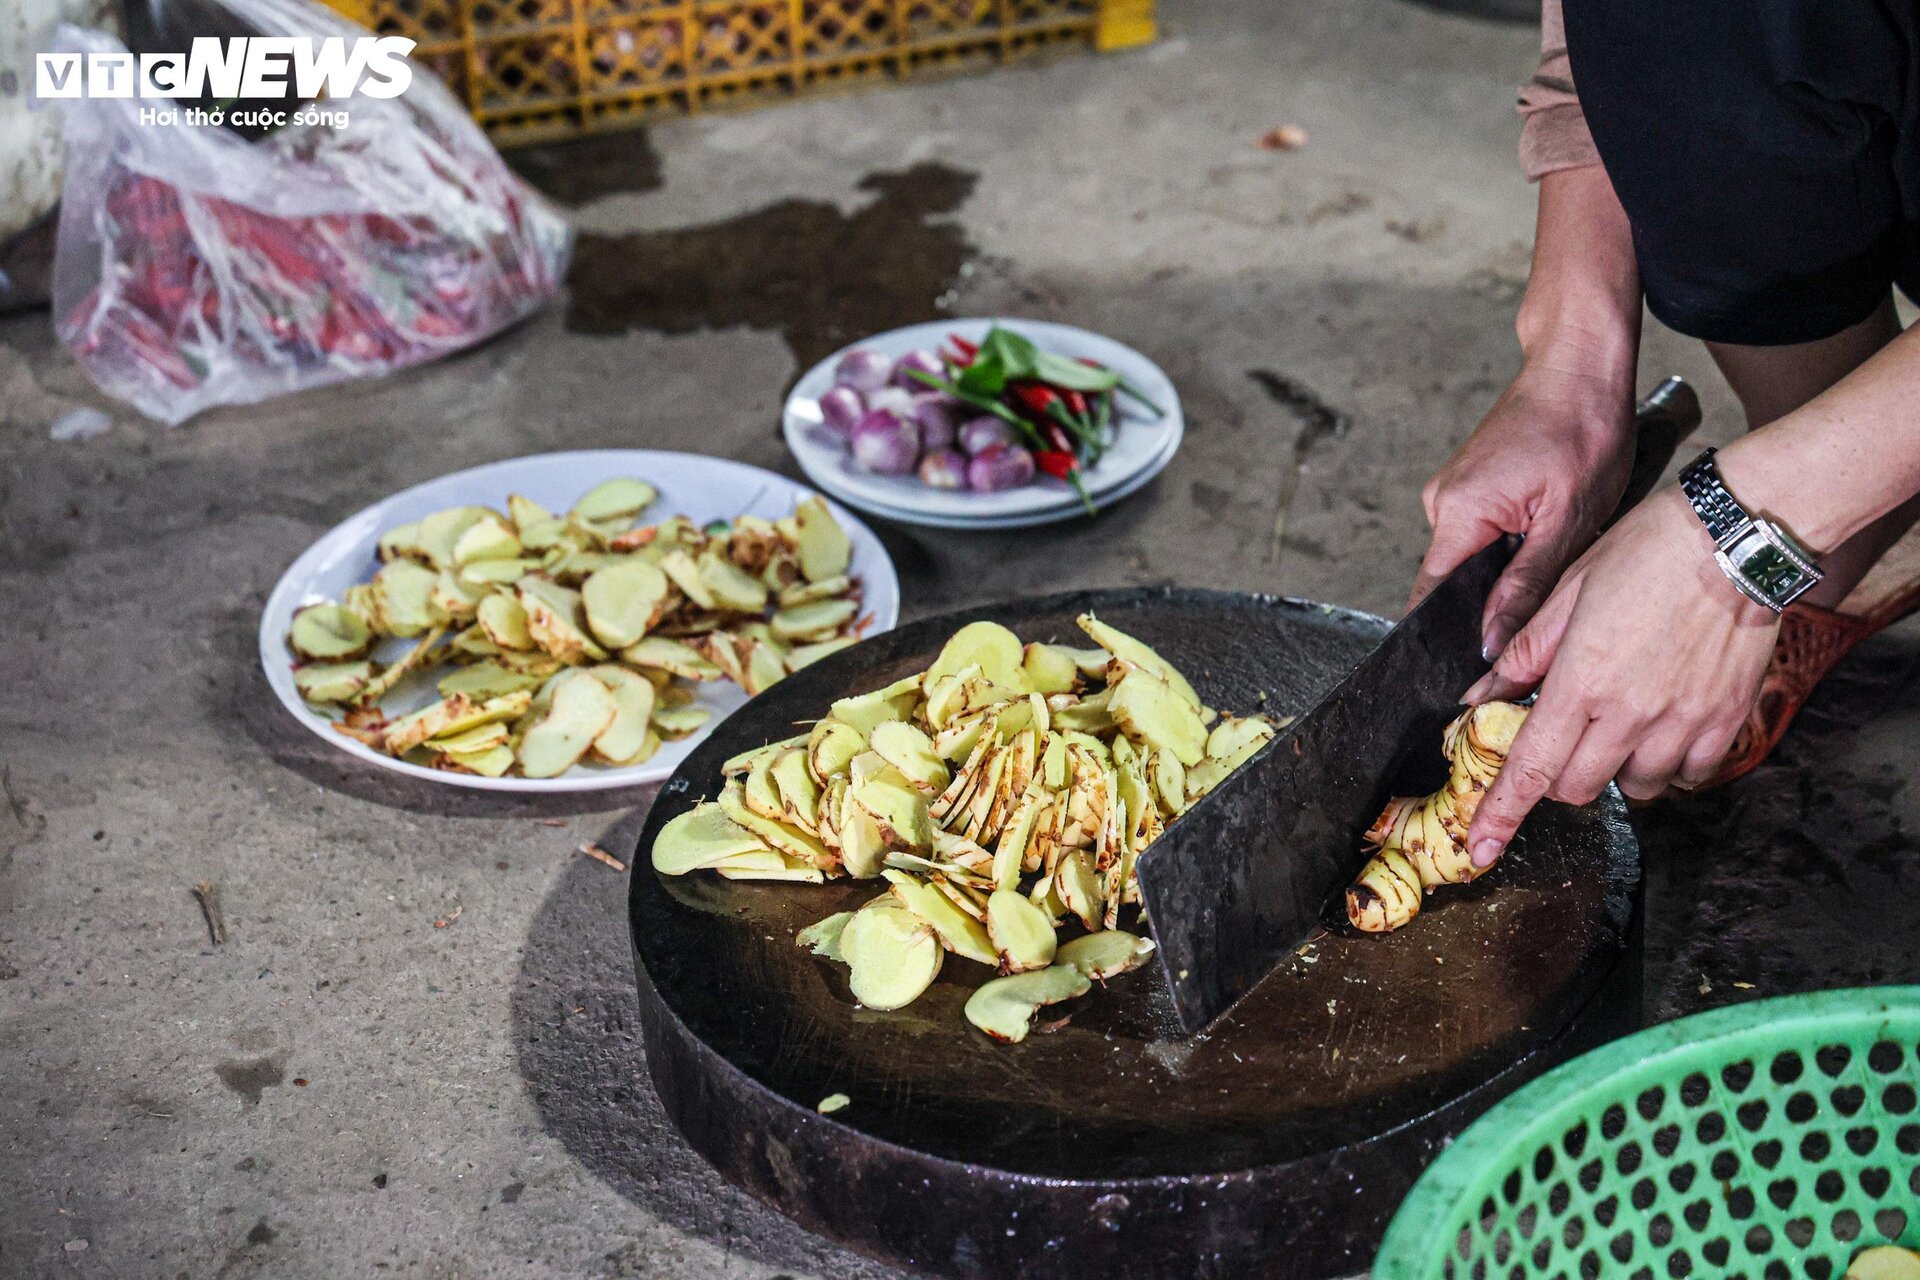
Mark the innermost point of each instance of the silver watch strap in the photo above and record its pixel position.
(1718, 509)
(1760, 558)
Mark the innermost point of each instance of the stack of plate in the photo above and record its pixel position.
(1142, 445)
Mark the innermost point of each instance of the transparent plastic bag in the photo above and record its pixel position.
(196, 268)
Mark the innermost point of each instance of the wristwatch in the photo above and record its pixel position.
(1756, 554)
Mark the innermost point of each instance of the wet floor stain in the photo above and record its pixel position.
(250, 1077)
(1319, 422)
(819, 277)
(1211, 500)
(580, 170)
(1318, 419)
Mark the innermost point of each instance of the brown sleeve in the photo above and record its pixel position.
(1553, 130)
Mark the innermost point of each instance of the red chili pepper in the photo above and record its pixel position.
(1057, 437)
(1076, 402)
(965, 348)
(1035, 397)
(1056, 462)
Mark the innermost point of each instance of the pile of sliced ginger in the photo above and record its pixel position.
(1004, 795)
(575, 636)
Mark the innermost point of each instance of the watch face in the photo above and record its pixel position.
(1767, 567)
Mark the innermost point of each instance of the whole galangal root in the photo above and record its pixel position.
(1420, 842)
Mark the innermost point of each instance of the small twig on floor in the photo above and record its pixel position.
(15, 805)
(1318, 421)
(209, 895)
(598, 854)
(551, 822)
(449, 918)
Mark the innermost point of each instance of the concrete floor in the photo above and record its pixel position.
(346, 1089)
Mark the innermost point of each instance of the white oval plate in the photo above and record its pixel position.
(1138, 481)
(702, 488)
(1140, 440)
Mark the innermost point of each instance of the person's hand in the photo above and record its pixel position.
(1647, 661)
(1550, 461)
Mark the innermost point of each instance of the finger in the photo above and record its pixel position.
(1536, 569)
(1454, 541)
(1651, 769)
(1704, 758)
(1540, 752)
(1523, 662)
(1603, 752)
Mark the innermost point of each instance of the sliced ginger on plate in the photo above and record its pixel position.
(497, 603)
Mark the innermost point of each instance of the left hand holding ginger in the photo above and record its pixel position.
(1647, 661)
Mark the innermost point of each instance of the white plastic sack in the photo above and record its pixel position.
(195, 268)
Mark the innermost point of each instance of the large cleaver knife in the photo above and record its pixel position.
(1245, 875)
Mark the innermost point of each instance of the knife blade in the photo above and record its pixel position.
(1244, 876)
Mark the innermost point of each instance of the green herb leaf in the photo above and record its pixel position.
(1141, 396)
(1080, 431)
(1080, 487)
(1017, 355)
(1063, 372)
(984, 403)
(1003, 356)
(987, 378)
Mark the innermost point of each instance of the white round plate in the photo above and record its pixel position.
(702, 488)
(1135, 482)
(1140, 440)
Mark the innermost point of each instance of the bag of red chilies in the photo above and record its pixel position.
(195, 268)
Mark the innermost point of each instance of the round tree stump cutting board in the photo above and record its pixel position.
(1276, 1144)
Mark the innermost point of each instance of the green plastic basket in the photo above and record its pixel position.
(1774, 1139)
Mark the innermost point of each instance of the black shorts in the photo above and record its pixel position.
(1765, 153)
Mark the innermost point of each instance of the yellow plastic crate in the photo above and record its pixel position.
(539, 69)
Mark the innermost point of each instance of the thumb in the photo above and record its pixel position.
(1544, 554)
